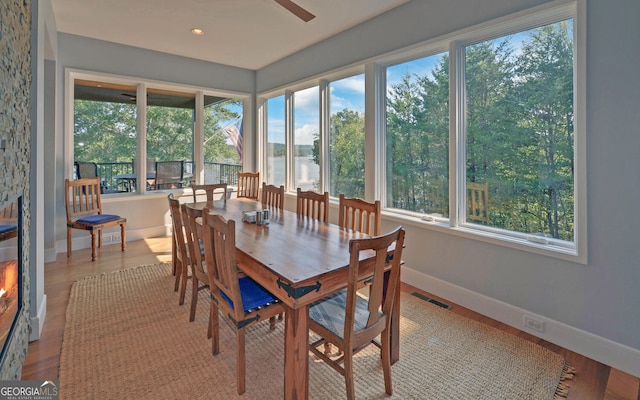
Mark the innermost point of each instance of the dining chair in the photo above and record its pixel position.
(180, 256)
(352, 321)
(478, 202)
(199, 276)
(209, 190)
(169, 175)
(249, 185)
(240, 300)
(84, 211)
(360, 215)
(272, 196)
(312, 205)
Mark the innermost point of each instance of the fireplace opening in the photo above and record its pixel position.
(10, 270)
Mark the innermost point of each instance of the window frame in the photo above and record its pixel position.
(574, 251)
(375, 129)
(71, 74)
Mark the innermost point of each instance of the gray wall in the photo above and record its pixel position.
(600, 298)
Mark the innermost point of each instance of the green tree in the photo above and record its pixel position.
(346, 150)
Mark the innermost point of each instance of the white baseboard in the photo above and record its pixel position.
(606, 351)
(37, 322)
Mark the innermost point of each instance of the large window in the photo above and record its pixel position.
(418, 135)
(108, 137)
(223, 139)
(473, 133)
(276, 151)
(306, 117)
(519, 131)
(346, 137)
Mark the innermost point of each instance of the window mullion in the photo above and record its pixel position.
(457, 134)
(141, 133)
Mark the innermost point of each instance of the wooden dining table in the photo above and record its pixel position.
(299, 260)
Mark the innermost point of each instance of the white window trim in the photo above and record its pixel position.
(71, 74)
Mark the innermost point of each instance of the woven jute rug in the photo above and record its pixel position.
(127, 338)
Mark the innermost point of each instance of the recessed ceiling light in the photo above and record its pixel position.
(197, 31)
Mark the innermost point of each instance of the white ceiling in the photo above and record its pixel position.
(243, 33)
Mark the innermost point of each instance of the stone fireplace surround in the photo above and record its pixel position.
(15, 153)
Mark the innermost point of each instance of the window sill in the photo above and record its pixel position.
(489, 236)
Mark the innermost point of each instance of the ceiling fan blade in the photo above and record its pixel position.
(300, 12)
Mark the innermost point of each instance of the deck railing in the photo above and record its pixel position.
(213, 173)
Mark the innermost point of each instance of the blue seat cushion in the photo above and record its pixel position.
(98, 218)
(253, 295)
(7, 228)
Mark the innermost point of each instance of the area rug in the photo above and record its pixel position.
(126, 337)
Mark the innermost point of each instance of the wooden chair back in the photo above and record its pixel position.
(209, 190)
(227, 287)
(180, 256)
(199, 275)
(312, 205)
(351, 321)
(272, 196)
(84, 211)
(169, 175)
(249, 185)
(220, 255)
(82, 198)
(9, 214)
(359, 215)
(478, 202)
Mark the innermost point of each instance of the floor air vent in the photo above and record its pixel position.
(430, 300)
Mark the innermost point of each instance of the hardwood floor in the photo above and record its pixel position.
(593, 380)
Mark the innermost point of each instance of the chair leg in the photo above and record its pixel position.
(386, 360)
(178, 273)
(123, 236)
(209, 328)
(93, 245)
(194, 297)
(348, 374)
(68, 242)
(182, 276)
(241, 360)
(215, 328)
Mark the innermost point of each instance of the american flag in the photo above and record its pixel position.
(234, 133)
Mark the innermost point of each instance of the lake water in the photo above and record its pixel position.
(306, 170)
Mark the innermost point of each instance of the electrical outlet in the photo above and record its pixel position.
(534, 323)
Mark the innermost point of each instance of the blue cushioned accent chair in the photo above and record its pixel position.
(238, 298)
(84, 211)
(351, 321)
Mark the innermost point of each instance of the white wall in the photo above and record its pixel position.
(590, 308)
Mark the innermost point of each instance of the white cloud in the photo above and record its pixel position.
(304, 135)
